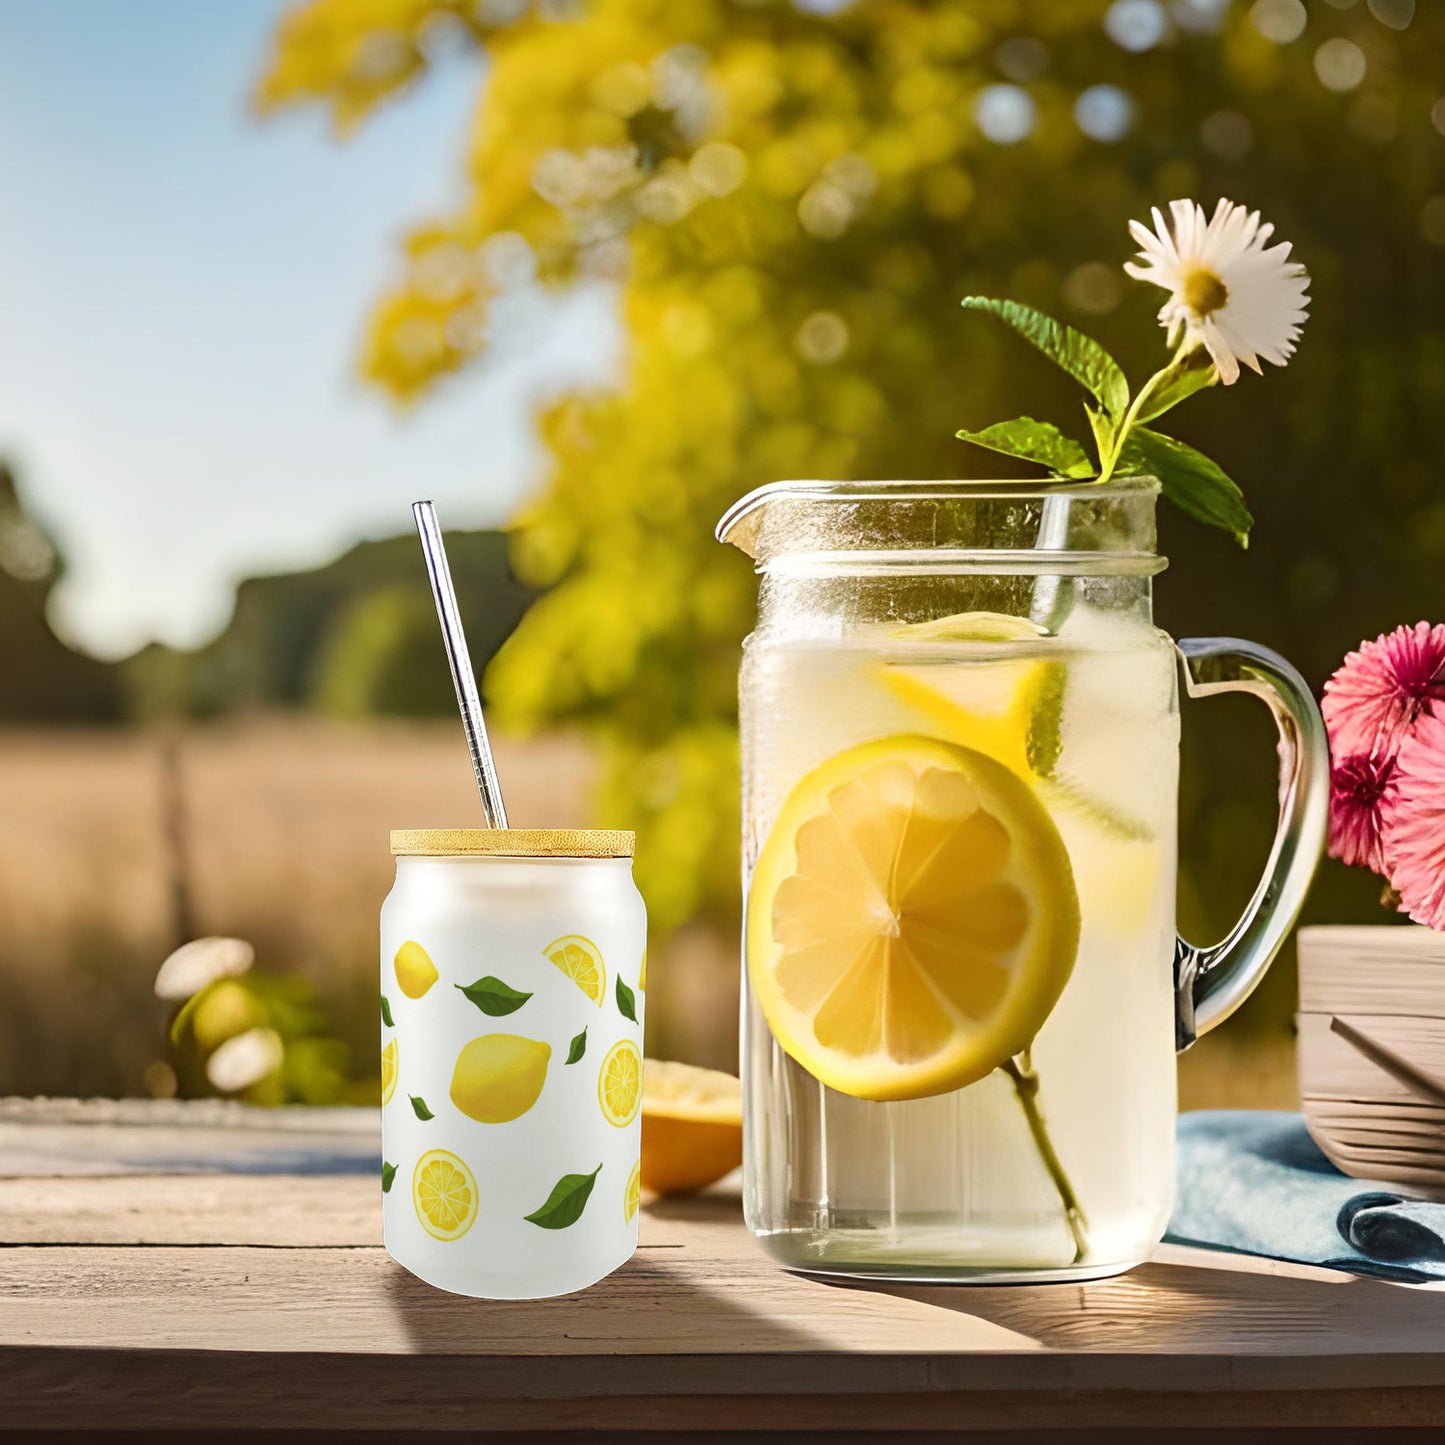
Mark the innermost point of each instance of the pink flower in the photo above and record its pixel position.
(1414, 834)
(1362, 791)
(1373, 701)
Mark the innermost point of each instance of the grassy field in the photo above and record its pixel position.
(115, 846)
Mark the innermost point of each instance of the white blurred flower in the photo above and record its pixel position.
(245, 1060)
(201, 961)
(1228, 291)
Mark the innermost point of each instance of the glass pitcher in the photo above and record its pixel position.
(963, 992)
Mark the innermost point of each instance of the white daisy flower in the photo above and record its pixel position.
(245, 1060)
(201, 961)
(1228, 292)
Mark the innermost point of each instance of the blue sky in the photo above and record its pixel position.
(182, 290)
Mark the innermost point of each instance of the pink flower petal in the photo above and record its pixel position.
(1373, 701)
(1414, 824)
(1361, 793)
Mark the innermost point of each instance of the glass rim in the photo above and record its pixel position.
(925, 489)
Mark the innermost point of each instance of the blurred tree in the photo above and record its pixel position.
(44, 680)
(792, 199)
(357, 636)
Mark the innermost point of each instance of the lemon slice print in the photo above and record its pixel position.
(498, 1077)
(912, 919)
(415, 972)
(619, 1084)
(581, 960)
(388, 1072)
(632, 1195)
(444, 1192)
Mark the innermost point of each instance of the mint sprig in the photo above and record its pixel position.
(1116, 418)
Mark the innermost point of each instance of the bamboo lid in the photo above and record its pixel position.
(512, 843)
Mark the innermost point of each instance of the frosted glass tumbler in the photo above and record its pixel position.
(513, 970)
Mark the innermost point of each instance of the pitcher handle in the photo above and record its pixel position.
(1211, 982)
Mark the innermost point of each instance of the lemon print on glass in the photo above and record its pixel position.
(444, 1191)
(632, 1195)
(415, 972)
(642, 974)
(581, 960)
(912, 919)
(498, 1077)
(619, 1084)
(388, 1072)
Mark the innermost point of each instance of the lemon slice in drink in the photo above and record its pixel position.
(912, 919)
(444, 1192)
(1008, 708)
(995, 708)
(581, 960)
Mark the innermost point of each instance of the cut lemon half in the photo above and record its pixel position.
(692, 1126)
(912, 919)
(619, 1084)
(388, 1072)
(444, 1191)
(581, 960)
(632, 1195)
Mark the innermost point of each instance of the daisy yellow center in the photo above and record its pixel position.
(1203, 291)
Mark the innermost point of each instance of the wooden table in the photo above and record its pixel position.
(202, 1266)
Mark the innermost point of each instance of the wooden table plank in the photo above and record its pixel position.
(699, 1284)
(44, 1137)
(178, 1296)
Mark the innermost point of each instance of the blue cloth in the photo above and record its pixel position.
(1255, 1182)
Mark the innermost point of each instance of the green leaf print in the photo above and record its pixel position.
(419, 1108)
(493, 997)
(386, 1017)
(566, 1202)
(578, 1048)
(388, 1173)
(626, 1003)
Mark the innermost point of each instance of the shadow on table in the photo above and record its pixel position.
(665, 1300)
(1162, 1306)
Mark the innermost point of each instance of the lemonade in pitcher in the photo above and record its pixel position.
(959, 810)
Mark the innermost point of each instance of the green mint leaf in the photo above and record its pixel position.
(1181, 380)
(1190, 480)
(388, 1173)
(386, 1013)
(578, 1048)
(626, 1002)
(419, 1108)
(566, 1202)
(1034, 441)
(493, 997)
(1082, 357)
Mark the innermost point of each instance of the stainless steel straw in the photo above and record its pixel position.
(1051, 602)
(468, 699)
